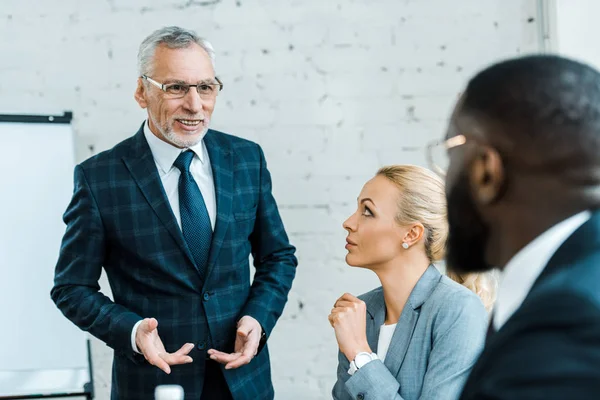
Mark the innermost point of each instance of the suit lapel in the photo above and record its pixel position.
(221, 163)
(401, 339)
(408, 319)
(583, 241)
(580, 244)
(142, 167)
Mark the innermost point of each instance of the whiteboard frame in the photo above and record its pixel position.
(87, 388)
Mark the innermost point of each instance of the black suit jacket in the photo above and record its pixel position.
(550, 347)
(120, 219)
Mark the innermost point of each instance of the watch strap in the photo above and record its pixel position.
(354, 367)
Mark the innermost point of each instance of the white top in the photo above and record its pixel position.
(385, 338)
(524, 268)
(164, 155)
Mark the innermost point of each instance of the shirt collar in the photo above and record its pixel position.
(526, 266)
(165, 153)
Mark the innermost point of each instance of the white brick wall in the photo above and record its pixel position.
(331, 89)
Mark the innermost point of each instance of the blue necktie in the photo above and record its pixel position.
(195, 222)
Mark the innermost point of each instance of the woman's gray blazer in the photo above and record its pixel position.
(436, 342)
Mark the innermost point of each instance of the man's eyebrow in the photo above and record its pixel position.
(178, 81)
(209, 81)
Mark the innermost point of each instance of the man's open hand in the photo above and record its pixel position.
(247, 340)
(150, 345)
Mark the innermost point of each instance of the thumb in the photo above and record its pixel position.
(243, 330)
(151, 324)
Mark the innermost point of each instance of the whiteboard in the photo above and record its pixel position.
(41, 352)
(574, 29)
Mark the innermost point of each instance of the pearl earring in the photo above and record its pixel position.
(405, 245)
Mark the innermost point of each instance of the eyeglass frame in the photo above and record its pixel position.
(449, 143)
(163, 86)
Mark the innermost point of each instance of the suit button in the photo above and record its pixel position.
(201, 345)
(206, 296)
(360, 396)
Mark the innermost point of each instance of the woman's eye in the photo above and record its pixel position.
(367, 212)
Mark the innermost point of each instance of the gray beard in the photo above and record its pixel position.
(176, 140)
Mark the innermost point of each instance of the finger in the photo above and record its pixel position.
(336, 319)
(349, 297)
(149, 324)
(344, 303)
(185, 349)
(357, 304)
(244, 329)
(247, 354)
(214, 351)
(332, 320)
(224, 358)
(175, 359)
(157, 361)
(241, 360)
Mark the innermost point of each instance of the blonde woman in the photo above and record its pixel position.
(418, 335)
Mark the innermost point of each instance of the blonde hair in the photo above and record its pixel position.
(423, 200)
(483, 284)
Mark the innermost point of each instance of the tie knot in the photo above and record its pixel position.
(184, 160)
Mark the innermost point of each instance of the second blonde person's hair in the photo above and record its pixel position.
(422, 199)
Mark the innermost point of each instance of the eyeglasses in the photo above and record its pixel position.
(437, 153)
(207, 91)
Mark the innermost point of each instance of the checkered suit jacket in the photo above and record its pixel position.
(119, 218)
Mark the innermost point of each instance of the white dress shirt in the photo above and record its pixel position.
(526, 266)
(385, 338)
(165, 155)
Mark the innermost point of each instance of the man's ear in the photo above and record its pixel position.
(140, 94)
(487, 175)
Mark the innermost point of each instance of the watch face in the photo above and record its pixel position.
(361, 359)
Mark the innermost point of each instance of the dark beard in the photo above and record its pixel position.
(467, 233)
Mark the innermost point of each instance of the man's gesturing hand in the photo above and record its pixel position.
(246, 344)
(150, 345)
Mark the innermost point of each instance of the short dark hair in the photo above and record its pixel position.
(540, 102)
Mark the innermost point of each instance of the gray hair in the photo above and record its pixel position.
(173, 37)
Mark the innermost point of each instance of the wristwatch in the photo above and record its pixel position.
(361, 360)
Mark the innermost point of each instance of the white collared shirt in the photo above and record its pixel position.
(526, 266)
(164, 155)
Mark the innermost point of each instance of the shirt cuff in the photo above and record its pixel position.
(133, 332)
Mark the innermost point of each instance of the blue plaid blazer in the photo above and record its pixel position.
(119, 218)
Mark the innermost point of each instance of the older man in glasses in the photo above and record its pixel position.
(172, 214)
